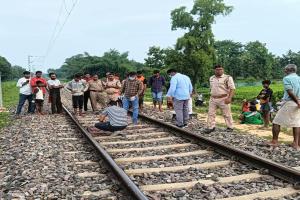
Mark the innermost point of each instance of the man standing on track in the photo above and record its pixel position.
(25, 93)
(141, 78)
(221, 90)
(156, 82)
(86, 95)
(98, 96)
(132, 89)
(54, 86)
(43, 85)
(77, 88)
(180, 92)
(112, 88)
(289, 113)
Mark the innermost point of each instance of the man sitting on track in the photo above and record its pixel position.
(112, 119)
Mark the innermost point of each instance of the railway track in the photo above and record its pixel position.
(47, 157)
(165, 162)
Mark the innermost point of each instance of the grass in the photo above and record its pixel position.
(243, 92)
(10, 98)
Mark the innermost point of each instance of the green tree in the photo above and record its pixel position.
(16, 71)
(229, 55)
(111, 61)
(5, 68)
(196, 46)
(156, 58)
(257, 61)
(290, 57)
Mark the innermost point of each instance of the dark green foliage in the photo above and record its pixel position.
(111, 61)
(9, 72)
(195, 52)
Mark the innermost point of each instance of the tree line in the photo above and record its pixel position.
(8, 71)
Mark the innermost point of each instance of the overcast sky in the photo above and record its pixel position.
(96, 26)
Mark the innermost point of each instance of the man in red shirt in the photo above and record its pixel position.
(38, 77)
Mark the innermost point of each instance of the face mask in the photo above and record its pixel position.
(131, 78)
(53, 78)
(170, 76)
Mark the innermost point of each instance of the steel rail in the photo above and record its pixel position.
(127, 182)
(278, 170)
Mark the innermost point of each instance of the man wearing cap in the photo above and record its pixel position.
(221, 92)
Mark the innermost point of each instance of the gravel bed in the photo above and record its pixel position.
(82, 156)
(36, 167)
(283, 154)
(157, 152)
(217, 191)
(75, 146)
(148, 144)
(175, 161)
(137, 137)
(192, 174)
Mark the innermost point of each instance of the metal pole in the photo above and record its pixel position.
(1, 101)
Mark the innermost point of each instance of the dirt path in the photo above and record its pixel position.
(251, 129)
(245, 128)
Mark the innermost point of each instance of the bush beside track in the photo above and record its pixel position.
(10, 99)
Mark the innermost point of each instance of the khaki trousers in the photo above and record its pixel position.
(215, 103)
(98, 100)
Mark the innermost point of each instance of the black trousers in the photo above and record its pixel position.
(86, 99)
(56, 106)
(106, 126)
(77, 101)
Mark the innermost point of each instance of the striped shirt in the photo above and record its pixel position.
(117, 116)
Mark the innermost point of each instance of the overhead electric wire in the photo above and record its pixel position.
(55, 37)
(54, 30)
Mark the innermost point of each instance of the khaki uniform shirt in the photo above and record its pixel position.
(221, 86)
(96, 86)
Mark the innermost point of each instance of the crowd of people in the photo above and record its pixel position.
(112, 98)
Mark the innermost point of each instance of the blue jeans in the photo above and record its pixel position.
(22, 100)
(135, 107)
(157, 96)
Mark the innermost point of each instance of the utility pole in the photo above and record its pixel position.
(1, 100)
(30, 60)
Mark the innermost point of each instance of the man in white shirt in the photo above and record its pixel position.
(54, 87)
(25, 93)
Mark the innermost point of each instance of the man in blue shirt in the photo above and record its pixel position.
(289, 113)
(180, 92)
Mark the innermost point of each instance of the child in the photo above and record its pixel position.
(39, 97)
(252, 117)
(265, 97)
(245, 106)
(199, 100)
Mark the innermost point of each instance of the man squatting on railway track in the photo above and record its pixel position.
(221, 89)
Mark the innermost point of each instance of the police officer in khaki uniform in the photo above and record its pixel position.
(221, 92)
(97, 94)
